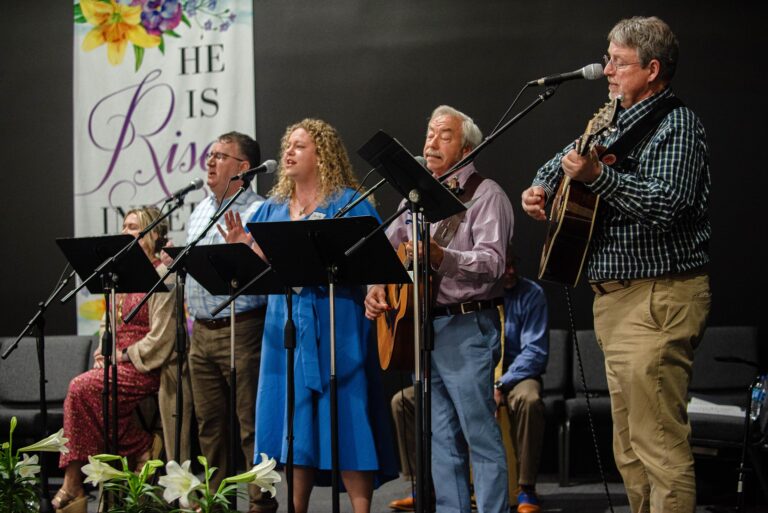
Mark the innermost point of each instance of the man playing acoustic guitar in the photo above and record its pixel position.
(467, 271)
(647, 260)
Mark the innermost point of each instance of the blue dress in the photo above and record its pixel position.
(365, 441)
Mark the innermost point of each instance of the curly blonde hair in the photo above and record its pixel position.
(334, 168)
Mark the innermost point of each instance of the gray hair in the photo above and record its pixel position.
(652, 38)
(471, 135)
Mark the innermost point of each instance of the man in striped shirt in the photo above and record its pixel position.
(210, 346)
(647, 264)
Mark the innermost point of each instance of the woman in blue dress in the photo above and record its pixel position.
(315, 180)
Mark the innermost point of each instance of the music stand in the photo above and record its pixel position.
(131, 272)
(312, 253)
(223, 270)
(429, 201)
(409, 178)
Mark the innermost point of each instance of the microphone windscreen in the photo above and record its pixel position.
(271, 166)
(198, 183)
(593, 71)
(421, 160)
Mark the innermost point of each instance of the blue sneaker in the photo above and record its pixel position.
(528, 502)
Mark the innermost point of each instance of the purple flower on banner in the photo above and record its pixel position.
(157, 16)
(224, 26)
(208, 25)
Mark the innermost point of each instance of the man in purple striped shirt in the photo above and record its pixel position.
(466, 275)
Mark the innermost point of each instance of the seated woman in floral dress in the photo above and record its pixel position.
(143, 346)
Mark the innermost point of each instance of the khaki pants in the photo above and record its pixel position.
(648, 332)
(404, 414)
(524, 431)
(167, 404)
(209, 365)
(526, 417)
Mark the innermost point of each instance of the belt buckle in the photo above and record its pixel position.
(461, 308)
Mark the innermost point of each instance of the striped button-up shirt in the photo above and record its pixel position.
(474, 260)
(653, 215)
(199, 301)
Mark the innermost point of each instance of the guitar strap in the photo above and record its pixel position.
(446, 228)
(623, 146)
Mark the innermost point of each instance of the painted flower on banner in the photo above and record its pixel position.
(145, 23)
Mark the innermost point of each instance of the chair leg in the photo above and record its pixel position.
(758, 471)
(564, 449)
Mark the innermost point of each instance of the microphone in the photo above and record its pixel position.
(421, 160)
(590, 72)
(267, 168)
(195, 184)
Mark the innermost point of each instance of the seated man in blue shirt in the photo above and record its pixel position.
(526, 350)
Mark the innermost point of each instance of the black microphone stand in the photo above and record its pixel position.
(289, 342)
(37, 325)
(181, 358)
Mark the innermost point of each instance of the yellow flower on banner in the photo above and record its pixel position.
(115, 24)
(92, 310)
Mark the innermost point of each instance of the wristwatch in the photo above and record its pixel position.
(499, 385)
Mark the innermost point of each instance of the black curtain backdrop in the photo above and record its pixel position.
(365, 66)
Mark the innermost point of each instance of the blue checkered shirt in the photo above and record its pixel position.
(199, 301)
(653, 214)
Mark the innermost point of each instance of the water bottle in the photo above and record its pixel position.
(758, 397)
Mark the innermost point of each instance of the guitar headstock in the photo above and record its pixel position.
(604, 119)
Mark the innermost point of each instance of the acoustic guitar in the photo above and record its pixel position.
(395, 327)
(574, 210)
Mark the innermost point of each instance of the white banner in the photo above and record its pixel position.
(156, 81)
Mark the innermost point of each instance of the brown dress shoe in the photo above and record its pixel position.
(260, 502)
(404, 504)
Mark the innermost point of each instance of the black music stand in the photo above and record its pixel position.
(429, 201)
(36, 328)
(224, 270)
(409, 178)
(130, 273)
(312, 253)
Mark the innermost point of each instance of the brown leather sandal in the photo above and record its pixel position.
(152, 453)
(68, 503)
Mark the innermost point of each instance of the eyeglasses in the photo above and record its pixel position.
(618, 65)
(220, 156)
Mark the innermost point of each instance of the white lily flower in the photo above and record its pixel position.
(178, 482)
(53, 443)
(98, 472)
(262, 475)
(28, 467)
(266, 477)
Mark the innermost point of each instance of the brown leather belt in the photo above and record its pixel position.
(468, 307)
(223, 322)
(608, 286)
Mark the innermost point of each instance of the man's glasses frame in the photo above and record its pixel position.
(618, 65)
(218, 155)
